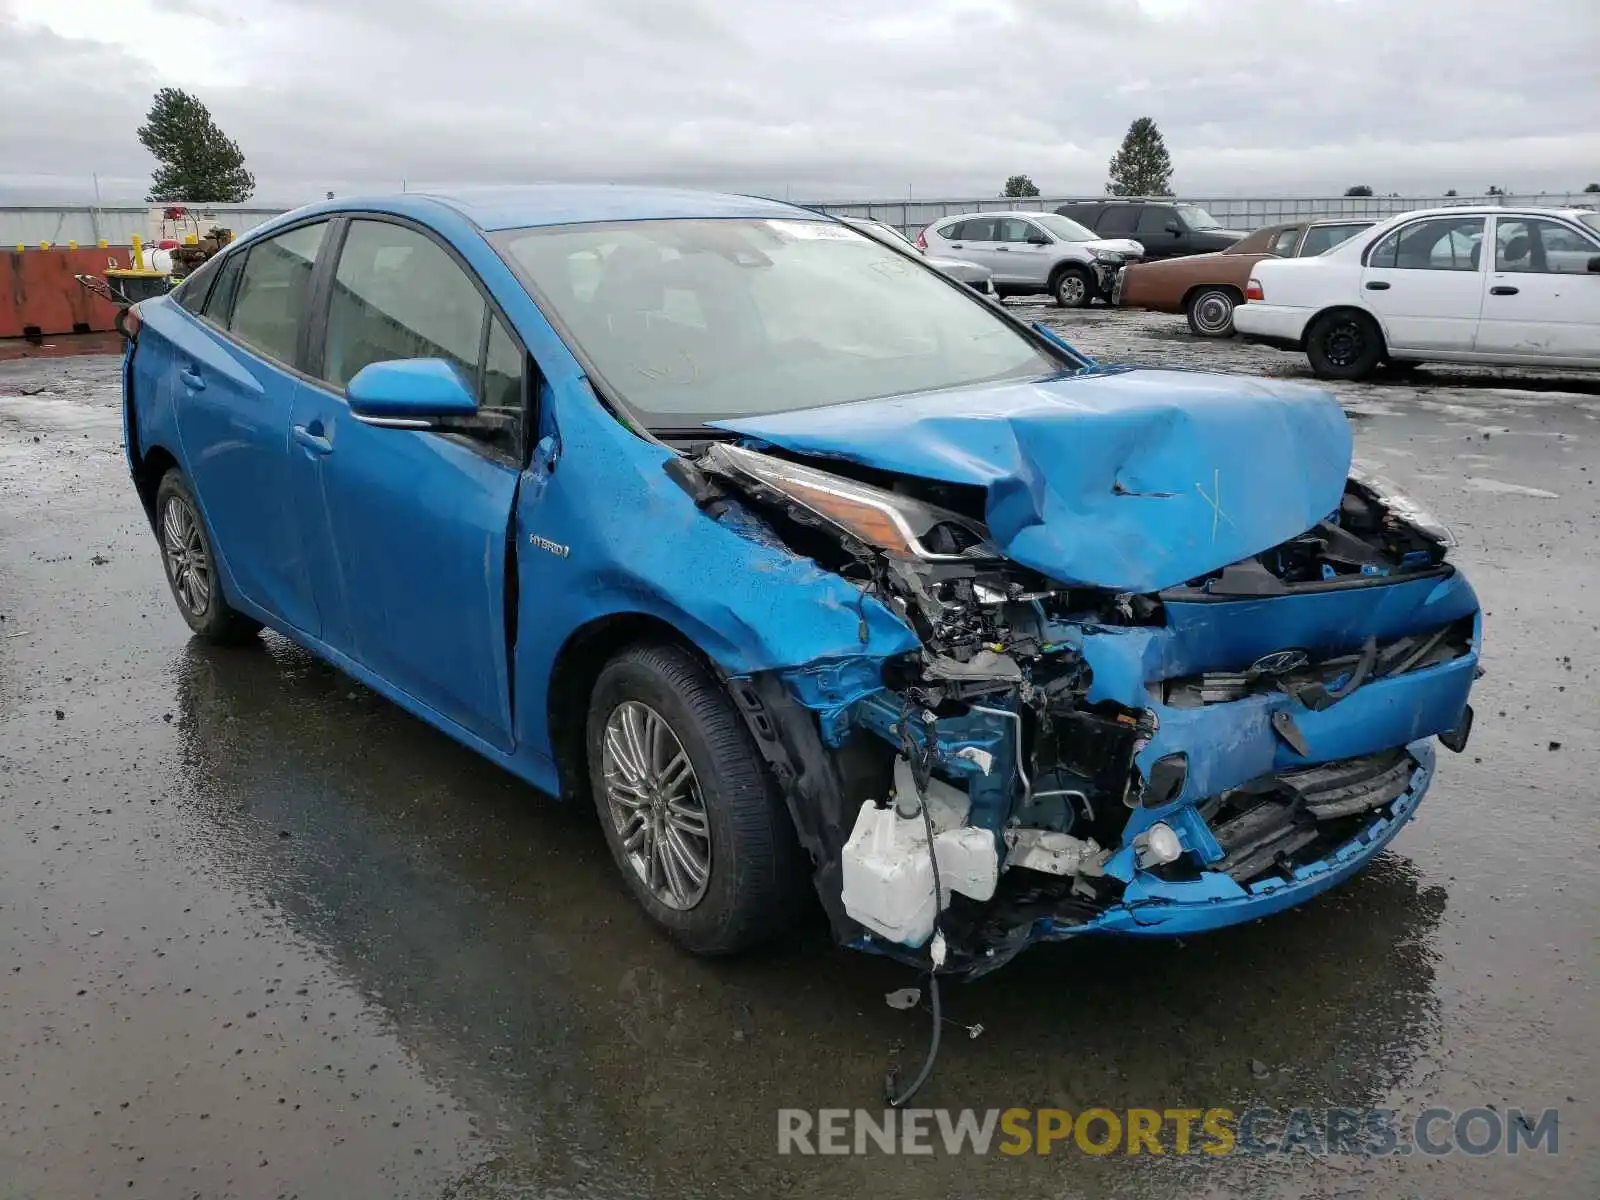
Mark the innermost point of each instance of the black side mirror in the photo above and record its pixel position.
(1594, 263)
(1038, 239)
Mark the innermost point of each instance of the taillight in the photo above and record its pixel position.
(1252, 290)
(922, 241)
(128, 322)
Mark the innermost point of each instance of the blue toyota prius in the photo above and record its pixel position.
(816, 571)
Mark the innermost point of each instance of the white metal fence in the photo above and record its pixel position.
(87, 225)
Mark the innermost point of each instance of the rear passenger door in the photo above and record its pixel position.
(976, 241)
(235, 373)
(408, 531)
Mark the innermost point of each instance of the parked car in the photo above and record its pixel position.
(976, 276)
(1165, 228)
(1207, 287)
(1511, 286)
(1032, 252)
(798, 561)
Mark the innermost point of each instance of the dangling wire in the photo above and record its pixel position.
(921, 768)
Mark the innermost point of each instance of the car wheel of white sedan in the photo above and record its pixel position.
(1344, 344)
(1210, 311)
(694, 819)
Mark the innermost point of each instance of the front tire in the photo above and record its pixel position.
(1073, 288)
(1210, 312)
(1344, 345)
(694, 821)
(190, 560)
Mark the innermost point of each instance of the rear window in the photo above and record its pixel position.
(1084, 214)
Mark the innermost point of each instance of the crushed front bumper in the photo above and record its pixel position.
(1154, 907)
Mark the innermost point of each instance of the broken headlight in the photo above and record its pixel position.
(891, 522)
(1401, 506)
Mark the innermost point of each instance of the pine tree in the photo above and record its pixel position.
(1359, 189)
(1019, 185)
(1142, 167)
(197, 162)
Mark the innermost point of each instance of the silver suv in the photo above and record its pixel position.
(1032, 252)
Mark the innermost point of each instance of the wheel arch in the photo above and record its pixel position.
(1329, 309)
(148, 469)
(1060, 268)
(576, 668)
(1196, 288)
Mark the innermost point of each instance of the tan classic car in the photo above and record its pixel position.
(1205, 287)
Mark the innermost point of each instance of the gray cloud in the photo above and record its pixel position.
(822, 98)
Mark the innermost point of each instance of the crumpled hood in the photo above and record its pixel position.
(1132, 480)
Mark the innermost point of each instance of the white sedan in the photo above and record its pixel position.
(1422, 287)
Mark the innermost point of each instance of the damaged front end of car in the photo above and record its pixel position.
(1101, 731)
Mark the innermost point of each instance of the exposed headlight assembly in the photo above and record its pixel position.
(1402, 506)
(891, 522)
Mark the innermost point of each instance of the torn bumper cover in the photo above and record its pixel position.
(1132, 708)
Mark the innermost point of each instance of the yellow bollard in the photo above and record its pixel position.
(101, 243)
(138, 253)
(44, 245)
(72, 245)
(20, 247)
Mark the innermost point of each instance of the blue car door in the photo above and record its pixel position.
(407, 531)
(232, 372)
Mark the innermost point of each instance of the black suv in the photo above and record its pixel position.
(1166, 228)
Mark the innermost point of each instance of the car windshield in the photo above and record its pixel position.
(1065, 228)
(1592, 220)
(1198, 218)
(690, 321)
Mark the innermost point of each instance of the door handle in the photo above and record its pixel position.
(1006, 249)
(1503, 291)
(1377, 285)
(193, 379)
(957, 246)
(314, 442)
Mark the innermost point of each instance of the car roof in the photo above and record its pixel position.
(1002, 212)
(566, 204)
(1484, 210)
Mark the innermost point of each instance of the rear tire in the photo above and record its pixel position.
(1210, 311)
(189, 558)
(1344, 345)
(694, 820)
(1073, 288)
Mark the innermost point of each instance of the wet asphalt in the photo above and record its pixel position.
(263, 934)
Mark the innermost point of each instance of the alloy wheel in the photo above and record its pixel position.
(656, 805)
(188, 565)
(1071, 290)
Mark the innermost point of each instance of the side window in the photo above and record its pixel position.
(1154, 218)
(1014, 229)
(191, 294)
(1440, 244)
(956, 231)
(978, 229)
(398, 294)
(1322, 238)
(219, 304)
(272, 291)
(1538, 246)
(1283, 244)
(500, 402)
(1119, 219)
(1083, 214)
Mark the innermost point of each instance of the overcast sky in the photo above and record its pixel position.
(816, 99)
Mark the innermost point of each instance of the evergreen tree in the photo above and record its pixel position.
(197, 162)
(1142, 167)
(1360, 189)
(1019, 185)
